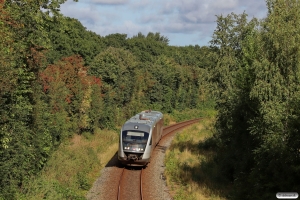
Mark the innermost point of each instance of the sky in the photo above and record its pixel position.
(183, 22)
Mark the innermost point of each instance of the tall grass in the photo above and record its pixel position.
(188, 114)
(72, 169)
(191, 171)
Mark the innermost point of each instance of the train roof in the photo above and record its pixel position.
(147, 117)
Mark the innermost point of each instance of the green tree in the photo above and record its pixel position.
(235, 153)
(69, 37)
(258, 103)
(23, 40)
(116, 40)
(276, 89)
(117, 70)
(146, 48)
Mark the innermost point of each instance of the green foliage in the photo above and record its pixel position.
(49, 189)
(69, 37)
(191, 56)
(146, 48)
(23, 151)
(117, 70)
(193, 114)
(182, 195)
(258, 78)
(172, 166)
(72, 168)
(116, 40)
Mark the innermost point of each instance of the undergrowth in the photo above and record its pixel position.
(72, 169)
(188, 114)
(191, 170)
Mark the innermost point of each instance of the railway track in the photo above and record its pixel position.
(131, 180)
(130, 184)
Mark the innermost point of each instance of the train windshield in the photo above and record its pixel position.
(134, 140)
(135, 136)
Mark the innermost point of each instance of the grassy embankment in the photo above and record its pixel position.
(191, 171)
(72, 169)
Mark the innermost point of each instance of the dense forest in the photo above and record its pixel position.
(58, 79)
(257, 77)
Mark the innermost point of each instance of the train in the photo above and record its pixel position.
(139, 136)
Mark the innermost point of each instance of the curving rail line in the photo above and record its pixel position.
(126, 189)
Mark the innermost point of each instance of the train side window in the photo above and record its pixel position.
(150, 141)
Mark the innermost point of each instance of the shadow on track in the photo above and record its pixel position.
(114, 162)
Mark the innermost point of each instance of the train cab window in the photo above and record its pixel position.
(134, 141)
(135, 136)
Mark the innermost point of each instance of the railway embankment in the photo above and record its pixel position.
(190, 170)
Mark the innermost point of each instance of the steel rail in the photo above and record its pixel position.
(141, 184)
(120, 182)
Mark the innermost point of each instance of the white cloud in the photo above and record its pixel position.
(140, 5)
(88, 14)
(224, 4)
(151, 19)
(110, 2)
(188, 18)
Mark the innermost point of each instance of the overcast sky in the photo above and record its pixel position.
(183, 22)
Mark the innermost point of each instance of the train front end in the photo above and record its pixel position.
(135, 144)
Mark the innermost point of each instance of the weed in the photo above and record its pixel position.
(82, 181)
(190, 166)
(73, 168)
(184, 194)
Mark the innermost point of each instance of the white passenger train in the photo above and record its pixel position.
(139, 136)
